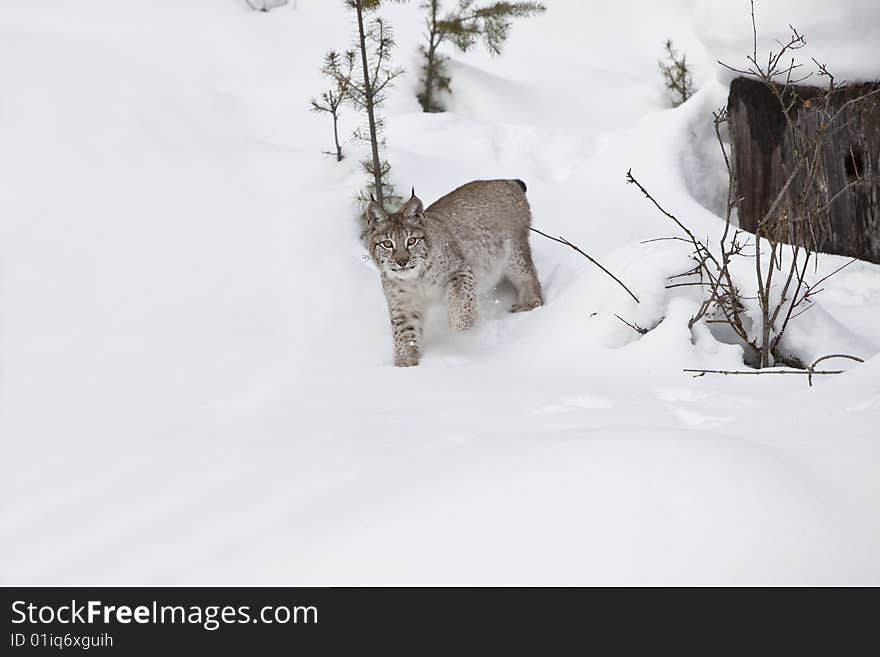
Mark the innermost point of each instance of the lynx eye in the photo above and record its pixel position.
(388, 244)
(411, 241)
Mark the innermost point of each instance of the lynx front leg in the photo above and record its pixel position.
(406, 326)
(461, 298)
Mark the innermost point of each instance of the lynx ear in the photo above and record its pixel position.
(375, 214)
(413, 207)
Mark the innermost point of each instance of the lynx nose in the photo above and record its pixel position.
(401, 259)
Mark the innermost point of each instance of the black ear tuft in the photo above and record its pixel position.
(413, 192)
(412, 208)
(374, 214)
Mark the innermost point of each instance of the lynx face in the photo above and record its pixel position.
(398, 244)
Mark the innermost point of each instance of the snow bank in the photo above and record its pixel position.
(842, 35)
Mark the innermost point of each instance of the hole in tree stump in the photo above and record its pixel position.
(853, 164)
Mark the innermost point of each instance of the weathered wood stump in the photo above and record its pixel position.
(843, 220)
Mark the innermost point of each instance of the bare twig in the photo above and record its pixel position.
(631, 179)
(812, 368)
(841, 268)
(635, 327)
(700, 373)
(693, 284)
(723, 291)
(810, 371)
(664, 239)
(564, 241)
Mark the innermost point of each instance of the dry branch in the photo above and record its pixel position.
(700, 372)
(635, 327)
(809, 371)
(812, 368)
(564, 241)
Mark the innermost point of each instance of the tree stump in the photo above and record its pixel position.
(843, 220)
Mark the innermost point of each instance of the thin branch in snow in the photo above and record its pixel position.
(635, 327)
(562, 240)
(810, 370)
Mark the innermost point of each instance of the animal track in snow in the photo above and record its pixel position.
(587, 401)
(572, 402)
(679, 395)
(693, 418)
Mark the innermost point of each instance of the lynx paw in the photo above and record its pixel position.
(525, 307)
(407, 358)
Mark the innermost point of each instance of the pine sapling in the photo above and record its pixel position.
(369, 92)
(339, 69)
(676, 75)
(463, 27)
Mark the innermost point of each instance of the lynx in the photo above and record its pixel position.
(462, 244)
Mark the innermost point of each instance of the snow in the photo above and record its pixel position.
(840, 35)
(196, 363)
